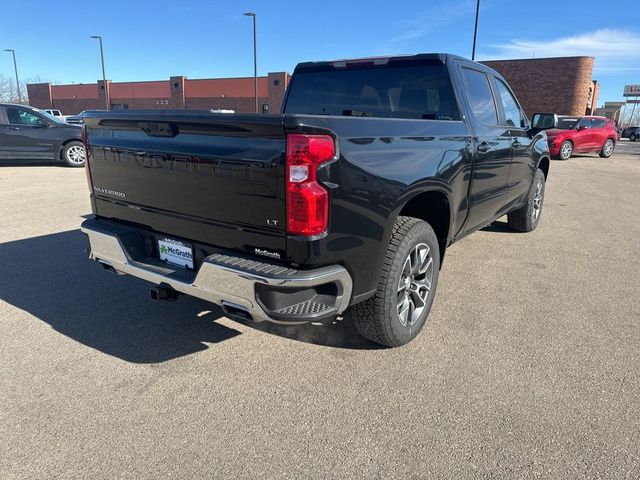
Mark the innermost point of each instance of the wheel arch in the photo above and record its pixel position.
(434, 207)
(543, 164)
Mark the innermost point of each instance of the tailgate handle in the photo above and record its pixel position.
(158, 129)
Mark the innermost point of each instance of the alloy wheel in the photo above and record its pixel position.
(608, 148)
(537, 201)
(415, 284)
(566, 150)
(75, 154)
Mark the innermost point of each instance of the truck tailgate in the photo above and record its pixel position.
(211, 178)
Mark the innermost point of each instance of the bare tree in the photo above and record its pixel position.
(631, 115)
(9, 92)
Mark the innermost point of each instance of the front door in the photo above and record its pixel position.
(493, 150)
(512, 117)
(27, 134)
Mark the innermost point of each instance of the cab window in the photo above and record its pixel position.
(19, 116)
(480, 96)
(512, 115)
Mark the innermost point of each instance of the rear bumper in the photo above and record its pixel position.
(243, 286)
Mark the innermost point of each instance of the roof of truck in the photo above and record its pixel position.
(380, 60)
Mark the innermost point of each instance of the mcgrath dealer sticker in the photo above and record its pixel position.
(175, 253)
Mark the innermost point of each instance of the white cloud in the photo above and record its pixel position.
(614, 50)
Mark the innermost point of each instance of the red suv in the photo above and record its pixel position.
(582, 135)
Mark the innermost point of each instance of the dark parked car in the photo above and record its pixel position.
(632, 133)
(348, 199)
(27, 133)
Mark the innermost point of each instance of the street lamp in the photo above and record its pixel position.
(255, 60)
(475, 31)
(104, 76)
(15, 67)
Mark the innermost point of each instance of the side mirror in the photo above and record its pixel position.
(42, 124)
(581, 128)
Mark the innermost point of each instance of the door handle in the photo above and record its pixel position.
(483, 147)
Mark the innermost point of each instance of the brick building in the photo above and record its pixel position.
(560, 85)
(176, 92)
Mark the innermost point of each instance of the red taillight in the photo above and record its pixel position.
(307, 201)
(87, 170)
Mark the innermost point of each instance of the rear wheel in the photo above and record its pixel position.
(566, 150)
(526, 218)
(73, 154)
(607, 149)
(407, 285)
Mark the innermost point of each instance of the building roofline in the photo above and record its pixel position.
(230, 78)
(536, 58)
(151, 81)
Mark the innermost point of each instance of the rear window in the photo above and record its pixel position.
(422, 92)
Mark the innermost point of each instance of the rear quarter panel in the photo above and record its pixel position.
(382, 163)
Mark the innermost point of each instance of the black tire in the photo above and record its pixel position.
(70, 154)
(566, 150)
(526, 218)
(378, 318)
(632, 137)
(606, 152)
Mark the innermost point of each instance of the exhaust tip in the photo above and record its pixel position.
(233, 310)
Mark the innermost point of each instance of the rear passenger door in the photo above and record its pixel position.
(514, 120)
(493, 145)
(599, 132)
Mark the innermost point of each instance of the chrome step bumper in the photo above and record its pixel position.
(228, 280)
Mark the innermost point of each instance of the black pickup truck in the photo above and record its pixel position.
(348, 199)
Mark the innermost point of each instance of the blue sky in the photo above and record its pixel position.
(150, 40)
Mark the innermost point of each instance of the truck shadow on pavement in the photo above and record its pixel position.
(51, 278)
(498, 227)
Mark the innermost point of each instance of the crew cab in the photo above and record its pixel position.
(27, 133)
(347, 200)
(581, 135)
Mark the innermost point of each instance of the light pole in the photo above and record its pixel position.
(104, 76)
(15, 67)
(255, 59)
(475, 31)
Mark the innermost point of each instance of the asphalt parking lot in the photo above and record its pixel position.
(529, 367)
